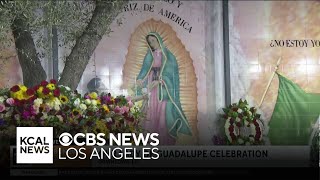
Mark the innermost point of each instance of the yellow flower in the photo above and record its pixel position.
(63, 99)
(100, 127)
(13, 95)
(93, 95)
(20, 95)
(98, 102)
(51, 86)
(39, 90)
(75, 112)
(105, 107)
(23, 88)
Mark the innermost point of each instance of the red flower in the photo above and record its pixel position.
(15, 88)
(231, 121)
(231, 128)
(35, 88)
(30, 92)
(238, 124)
(131, 119)
(56, 92)
(225, 116)
(258, 130)
(256, 138)
(44, 83)
(258, 134)
(53, 81)
(17, 102)
(45, 91)
(31, 99)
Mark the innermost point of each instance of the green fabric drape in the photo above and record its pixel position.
(294, 114)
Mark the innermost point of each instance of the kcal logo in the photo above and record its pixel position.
(34, 145)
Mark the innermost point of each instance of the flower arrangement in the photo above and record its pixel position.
(48, 104)
(242, 124)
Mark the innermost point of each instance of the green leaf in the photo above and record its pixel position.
(225, 110)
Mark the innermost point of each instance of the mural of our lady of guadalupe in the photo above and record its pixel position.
(163, 82)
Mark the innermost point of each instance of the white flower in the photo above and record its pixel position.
(57, 101)
(253, 128)
(239, 110)
(109, 119)
(8, 114)
(60, 118)
(66, 87)
(77, 102)
(238, 119)
(37, 102)
(246, 123)
(226, 126)
(56, 107)
(240, 141)
(87, 101)
(251, 139)
(36, 108)
(1, 99)
(94, 102)
(250, 113)
(44, 116)
(83, 107)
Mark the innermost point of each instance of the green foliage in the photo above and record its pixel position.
(69, 17)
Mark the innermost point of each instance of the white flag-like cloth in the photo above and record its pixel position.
(315, 129)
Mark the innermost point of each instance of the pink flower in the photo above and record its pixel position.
(130, 104)
(117, 109)
(2, 107)
(128, 98)
(10, 101)
(125, 109)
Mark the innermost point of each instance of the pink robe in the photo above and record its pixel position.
(156, 112)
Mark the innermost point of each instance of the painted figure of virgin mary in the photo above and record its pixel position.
(160, 76)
